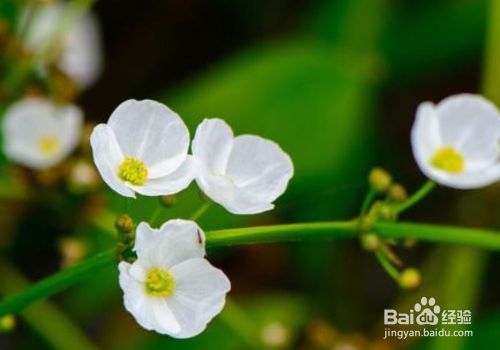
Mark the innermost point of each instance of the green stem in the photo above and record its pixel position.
(265, 234)
(57, 282)
(416, 197)
(491, 70)
(386, 264)
(370, 196)
(486, 239)
(44, 318)
(197, 214)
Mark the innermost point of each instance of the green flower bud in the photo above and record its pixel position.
(397, 193)
(379, 179)
(124, 224)
(168, 201)
(7, 323)
(410, 278)
(370, 241)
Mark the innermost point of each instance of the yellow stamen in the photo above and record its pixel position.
(160, 283)
(48, 145)
(448, 159)
(134, 171)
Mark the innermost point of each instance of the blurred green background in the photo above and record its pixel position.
(336, 84)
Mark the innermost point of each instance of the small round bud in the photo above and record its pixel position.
(275, 334)
(370, 241)
(385, 212)
(7, 323)
(124, 223)
(409, 242)
(410, 278)
(379, 179)
(82, 176)
(397, 193)
(168, 201)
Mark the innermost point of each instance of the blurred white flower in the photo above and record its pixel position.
(39, 134)
(244, 174)
(171, 288)
(77, 51)
(456, 142)
(143, 148)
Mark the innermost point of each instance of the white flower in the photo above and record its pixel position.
(456, 142)
(39, 134)
(143, 148)
(171, 288)
(77, 51)
(244, 174)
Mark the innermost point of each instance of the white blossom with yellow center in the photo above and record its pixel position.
(244, 174)
(456, 142)
(171, 288)
(76, 50)
(39, 134)
(143, 149)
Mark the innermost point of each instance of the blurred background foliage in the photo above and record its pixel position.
(336, 84)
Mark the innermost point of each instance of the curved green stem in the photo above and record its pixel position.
(386, 264)
(57, 282)
(370, 196)
(416, 197)
(265, 234)
(197, 214)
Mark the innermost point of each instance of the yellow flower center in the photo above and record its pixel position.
(134, 171)
(448, 159)
(48, 145)
(160, 283)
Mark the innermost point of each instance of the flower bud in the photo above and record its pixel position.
(379, 179)
(168, 201)
(410, 278)
(386, 212)
(82, 176)
(370, 241)
(397, 193)
(7, 323)
(124, 224)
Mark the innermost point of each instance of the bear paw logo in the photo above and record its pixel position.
(427, 311)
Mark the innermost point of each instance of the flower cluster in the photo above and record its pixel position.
(144, 149)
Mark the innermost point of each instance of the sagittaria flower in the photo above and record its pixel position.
(456, 142)
(244, 174)
(143, 148)
(77, 50)
(171, 288)
(39, 134)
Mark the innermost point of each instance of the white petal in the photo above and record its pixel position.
(152, 313)
(259, 167)
(174, 242)
(108, 157)
(233, 199)
(150, 131)
(81, 58)
(171, 183)
(212, 145)
(471, 124)
(199, 295)
(70, 127)
(425, 137)
(467, 180)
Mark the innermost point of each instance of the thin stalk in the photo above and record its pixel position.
(416, 197)
(386, 264)
(197, 214)
(370, 196)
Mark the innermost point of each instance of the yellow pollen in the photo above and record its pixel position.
(48, 145)
(448, 159)
(160, 283)
(134, 171)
